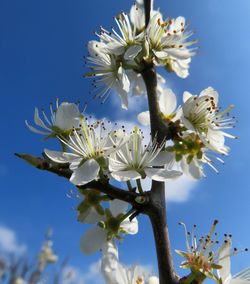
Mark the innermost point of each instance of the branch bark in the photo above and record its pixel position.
(147, 8)
(104, 187)
(157, 208)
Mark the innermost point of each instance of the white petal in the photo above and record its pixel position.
(90, 217)
(110, 258)
(215, 140)
(93, 240)
(243, 276)
(211, 93)
(131, 227)
(117, 207)
(179, 53)
(237, 281)
(194, 169)
(60, 157)
(167, 102)
(123, 78)
(161, 174)
(161, 54)
(125, 175)
(132, 52)
(116, 48)
(153, 280)
(163, 158)
(124, 98)
(186, 96)
(66, 114)
(137, 15)
(122, 86)
(87, 172)
(224, 260)
(144, 118)
(180, 67)
(187, 123)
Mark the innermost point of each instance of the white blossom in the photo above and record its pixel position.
(46, 255)
(114, 223)
(117, 273)
(169, 43)
(19, 280)
(243, 277)
(62, 120)
(108, 72)
(167, 105)
(135, 161)
(90, 147)
(127, 42)
(202, 115)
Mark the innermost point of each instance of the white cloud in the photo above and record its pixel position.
(178, 190)
(9, 242)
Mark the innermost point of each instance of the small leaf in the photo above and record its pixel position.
(83, 207)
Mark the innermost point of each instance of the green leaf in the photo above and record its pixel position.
(83, 207)
(178, 157)
(190, 159)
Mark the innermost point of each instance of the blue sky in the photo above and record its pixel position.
(41, 48)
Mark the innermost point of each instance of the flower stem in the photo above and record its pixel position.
(130, 188)
(125, 216)
(138, 182)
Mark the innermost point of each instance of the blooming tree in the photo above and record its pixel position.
(95, 154)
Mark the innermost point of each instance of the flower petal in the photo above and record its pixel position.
(66, 116)
(224, 260)
(161, 174)
(163, 158)
(93, 240)
(186, 96)
(132, 52)
(90, 217)
(125, 175)
(167, 102)
(117, 207)
(60, 157)
(211, 92)
(187, 123)
(130, 227)
(110, 258)
(194, 169)
(144, 118)
(153, 280)
(87, 172)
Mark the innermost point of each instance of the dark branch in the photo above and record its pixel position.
(147, 8)
(104, 187)
(157, 206)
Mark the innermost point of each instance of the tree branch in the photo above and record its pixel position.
(147, 8)
(157, 208)
(106, 188)
(157, 205)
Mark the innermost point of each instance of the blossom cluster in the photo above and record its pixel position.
(94, 151)
(118, 57)
(200, 124)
